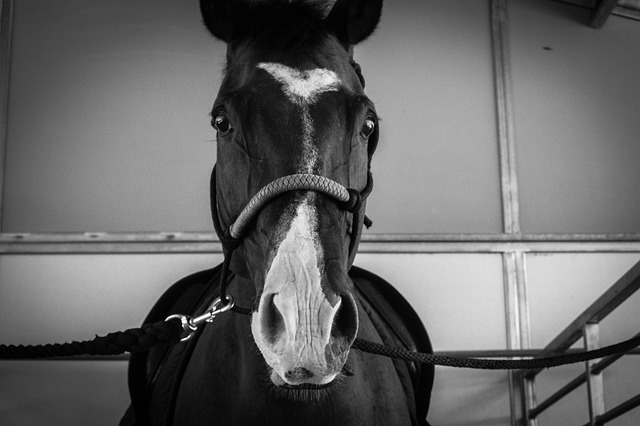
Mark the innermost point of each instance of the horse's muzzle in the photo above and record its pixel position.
(305, 343)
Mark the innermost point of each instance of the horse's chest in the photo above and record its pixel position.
(226, 383)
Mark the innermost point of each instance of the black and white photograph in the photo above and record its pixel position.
(320, 212)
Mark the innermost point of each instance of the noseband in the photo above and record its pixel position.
(347, 199)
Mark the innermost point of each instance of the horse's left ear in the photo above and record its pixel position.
(354, 20)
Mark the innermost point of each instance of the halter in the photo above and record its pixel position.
(348, 199)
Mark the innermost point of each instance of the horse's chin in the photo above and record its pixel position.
(304, 392)
(311, 384)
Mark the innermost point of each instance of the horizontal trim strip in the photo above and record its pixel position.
(207, 242)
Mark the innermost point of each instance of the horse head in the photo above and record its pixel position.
(292, 102)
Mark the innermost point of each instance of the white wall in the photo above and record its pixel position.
(109, 104)
(461, 302)
(108, 124)
(576, 97)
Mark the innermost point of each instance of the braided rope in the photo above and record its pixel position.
(496, 364)
(131, 340)
(169, 332)
(285, 184)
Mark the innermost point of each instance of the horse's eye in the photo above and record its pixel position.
(368, 126)
(221, 123)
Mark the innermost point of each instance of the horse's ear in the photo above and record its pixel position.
(223, 17)
(354, 20)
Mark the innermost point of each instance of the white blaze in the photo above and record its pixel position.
(295, 281)
(303, 89)
(294, 277)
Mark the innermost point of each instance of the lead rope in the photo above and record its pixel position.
(180, 328)
(496, 364)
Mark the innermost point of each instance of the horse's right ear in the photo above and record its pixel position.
(221, 17)
(354, 20)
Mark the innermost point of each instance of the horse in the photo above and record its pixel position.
(295, 137)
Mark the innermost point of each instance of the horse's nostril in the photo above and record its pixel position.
(272, 320)
(345, 322)
(298, 374)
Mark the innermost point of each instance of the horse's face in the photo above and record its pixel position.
(291, 102)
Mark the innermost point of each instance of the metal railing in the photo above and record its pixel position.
(586, 326)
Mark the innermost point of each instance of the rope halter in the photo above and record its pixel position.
(348, 199)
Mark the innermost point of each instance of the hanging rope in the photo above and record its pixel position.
(131, 340)
(496, 364)
(171, 331)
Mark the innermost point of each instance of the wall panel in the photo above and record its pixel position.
(460, 300)
(75, 297)
(576, 101)
(428, 68)
(108, 127)
(63, 393)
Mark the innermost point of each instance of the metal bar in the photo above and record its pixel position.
(517, 320)
(505, 119)
(596, 368)
(558, 395)
(595, 386)
(523, 300)
(205, 242)
(529, 399)
(510, 284)
(6, 31)
(619, 410)
(607, 302)
(528, 396)
(516, 301)
(602, 12)
(627, 13)
(628, 9)
(27, 237)
(512, 319)
(372, 246)
(629, 237)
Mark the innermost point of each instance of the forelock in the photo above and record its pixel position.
(285, 26)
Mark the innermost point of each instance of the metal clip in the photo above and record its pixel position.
(190, 325)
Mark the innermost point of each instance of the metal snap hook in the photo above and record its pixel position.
(185, 322)
(190, 325)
